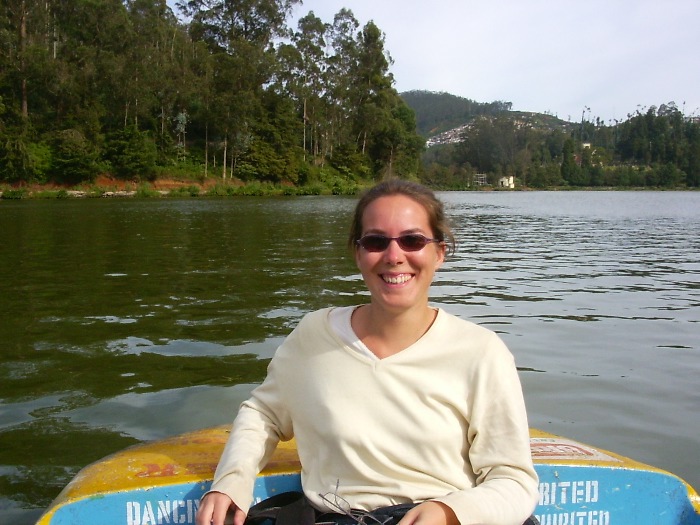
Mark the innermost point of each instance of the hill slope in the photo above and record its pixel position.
(439, 112)
(442, 118)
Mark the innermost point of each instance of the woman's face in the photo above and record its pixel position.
(398, 280)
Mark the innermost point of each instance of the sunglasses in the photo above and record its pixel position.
(410, 242)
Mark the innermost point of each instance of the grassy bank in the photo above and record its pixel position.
(171, 188)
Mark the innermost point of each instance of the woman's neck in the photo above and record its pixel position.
(387, 333)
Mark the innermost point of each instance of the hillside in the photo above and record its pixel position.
(442, 118)
(471, 144)
(440, 112)
(521, 119)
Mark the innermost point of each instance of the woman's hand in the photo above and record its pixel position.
(430, 513)
(214, 507)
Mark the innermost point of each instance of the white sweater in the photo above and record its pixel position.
(443, 419)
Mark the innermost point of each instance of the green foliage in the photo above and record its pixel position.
(144, 191)
(543, 176)
(666, 176)
(570, 171)
(491, 144)
(14, 194)
(348, 160)
(449, 176)
(221, 190)
(74, 158)
(657, 149)
(126, 87)
(50, 194)
(132, 154)
(40, 159)
(185, 191)
(15, 164)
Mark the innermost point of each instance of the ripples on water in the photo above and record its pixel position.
(133, 320)
(597, 294)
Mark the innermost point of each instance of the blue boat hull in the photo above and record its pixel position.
(162, 483)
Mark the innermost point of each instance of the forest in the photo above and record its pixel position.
(226, 90)
(126, 87)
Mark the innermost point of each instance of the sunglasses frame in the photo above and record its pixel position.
(400, 240)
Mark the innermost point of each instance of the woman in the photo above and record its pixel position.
(393, 401)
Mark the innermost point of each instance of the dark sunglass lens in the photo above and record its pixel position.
(374, 243)
(412, 243)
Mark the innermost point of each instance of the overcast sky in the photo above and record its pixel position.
(556, 56)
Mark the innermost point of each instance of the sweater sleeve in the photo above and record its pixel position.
(506, 490)
(262, 421)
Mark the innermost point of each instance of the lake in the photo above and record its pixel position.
(125, 320)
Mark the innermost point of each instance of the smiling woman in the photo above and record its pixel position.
(398, 279)
(431, 439)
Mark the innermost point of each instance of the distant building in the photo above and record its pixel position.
(507, 182)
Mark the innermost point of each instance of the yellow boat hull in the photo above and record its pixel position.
(161, 483)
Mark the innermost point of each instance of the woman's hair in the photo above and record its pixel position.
(419, 193)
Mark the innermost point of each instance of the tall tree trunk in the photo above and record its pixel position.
(54, 43)
(224, 164)
(391, 161)
(22, 57)
(206, 150)
(305, 128)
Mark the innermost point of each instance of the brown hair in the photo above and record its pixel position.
(419, 193)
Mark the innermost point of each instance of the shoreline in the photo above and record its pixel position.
(107, 187)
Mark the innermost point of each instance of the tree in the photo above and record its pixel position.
(340, 77)
(569, 168)
(74, 158)
(239, 34)
(395, 146)
(371, 80)
(25, 34)
(132, 154)
(155, 54)
(491, 144)
(692, 134)
(310, 42)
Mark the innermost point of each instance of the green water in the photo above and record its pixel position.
(129, 320)
(105, 299)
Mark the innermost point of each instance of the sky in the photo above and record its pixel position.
(605, 58)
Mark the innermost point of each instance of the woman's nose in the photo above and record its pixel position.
(393, 253)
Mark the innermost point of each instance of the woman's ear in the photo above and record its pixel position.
(441, 254)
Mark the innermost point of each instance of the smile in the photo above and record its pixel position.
(397, 279)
